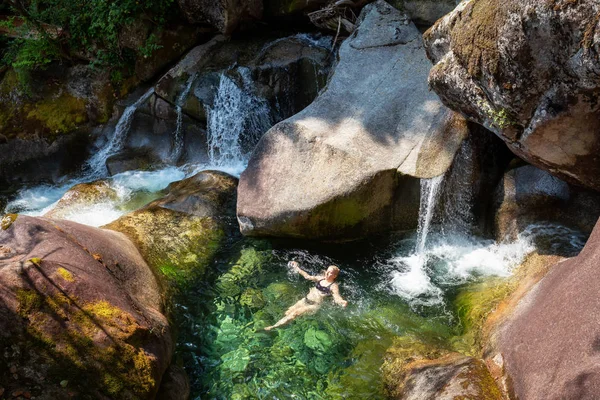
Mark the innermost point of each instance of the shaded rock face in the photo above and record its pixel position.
(78, 304)
(36, 159)
(180, 233)
(225, 16)
(528, 195)
(453, 376)
(528, 71)
(346, 166)
(550, 345)
(45, 130)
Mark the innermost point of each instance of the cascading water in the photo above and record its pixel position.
(412, 280)
(430, 190)
(97, 163)
(178, 134)
(237, 116)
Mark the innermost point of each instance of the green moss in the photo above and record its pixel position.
(473, 305)
(176, 245)
(59, 115)
(475, 36)
(29, 301)
(8, 220)
(478, 380)
(66, 275)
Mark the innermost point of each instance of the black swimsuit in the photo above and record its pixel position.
(325, 290)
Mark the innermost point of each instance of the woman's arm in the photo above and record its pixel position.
(304, 274)
(335, 291)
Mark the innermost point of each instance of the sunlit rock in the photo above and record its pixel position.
(348, 164)
(81, 196)
(528, 71)
(81, 313)
(179, 233)
(548, 349)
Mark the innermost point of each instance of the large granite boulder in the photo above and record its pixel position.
(528, 71)
(349, 164)
(528, 195)
(81, 313)
(549, 346)
(225, 16)
(179, 234)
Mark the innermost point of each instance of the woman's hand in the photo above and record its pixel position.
(295, 266)
(343, 303)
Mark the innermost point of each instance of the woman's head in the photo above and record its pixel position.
(332, 271)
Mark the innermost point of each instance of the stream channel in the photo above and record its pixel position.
(403, 289)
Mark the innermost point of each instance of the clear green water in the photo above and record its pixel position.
(336, 353)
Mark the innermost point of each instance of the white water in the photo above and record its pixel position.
(178, 134)
(430, 190)
(236, 117)
(97, 163)
(39, 200)
(458, 259)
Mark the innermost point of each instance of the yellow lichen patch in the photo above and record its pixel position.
(8, 220)
(66, 275)
(35, 261)
(59, 115)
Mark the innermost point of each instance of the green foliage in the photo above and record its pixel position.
(49, 30)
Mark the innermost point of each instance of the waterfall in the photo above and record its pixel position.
(430, 189)
(178, 134)
(236, 121)
(97, 163)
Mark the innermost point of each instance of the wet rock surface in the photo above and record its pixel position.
(549, 346)
(81, 313)
(346, 166)
(528, 71)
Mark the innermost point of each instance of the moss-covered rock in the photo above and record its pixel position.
(83, 317)
(527, 70)
(179, 234)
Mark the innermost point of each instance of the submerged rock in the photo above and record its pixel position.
(528, 71)
(81, 313)
(548, 349)
(179, 233)
(349, 164)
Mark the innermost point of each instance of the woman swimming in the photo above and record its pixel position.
(325, 286)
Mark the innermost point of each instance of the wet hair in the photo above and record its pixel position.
(335, 268)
